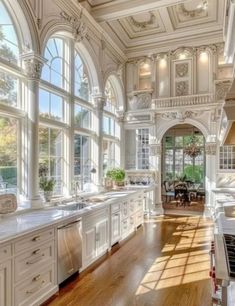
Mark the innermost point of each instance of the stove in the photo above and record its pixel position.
(229, 241)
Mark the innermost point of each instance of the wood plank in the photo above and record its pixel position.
(166, 263)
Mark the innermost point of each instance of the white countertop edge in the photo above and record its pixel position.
(71, 214)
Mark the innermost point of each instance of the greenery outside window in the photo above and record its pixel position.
(176, 163)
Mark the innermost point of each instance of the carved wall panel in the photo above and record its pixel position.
(182, 77)
(139, 101)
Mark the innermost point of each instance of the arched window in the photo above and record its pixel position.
(55, 108)
(9, 45)
(55, 71)
(111, 129)
(11, 107)
(81, 83)
(111, 102)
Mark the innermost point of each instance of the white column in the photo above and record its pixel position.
(120, 119)
(33, 66)
(98, 151)
(210, 178)
(156, 152)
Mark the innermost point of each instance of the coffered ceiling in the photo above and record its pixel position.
(140, 26)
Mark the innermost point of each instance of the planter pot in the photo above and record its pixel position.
(117, 185)
(48, 195)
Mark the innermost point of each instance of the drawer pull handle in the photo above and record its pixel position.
(34, 260)
(36, 238)
(36, 278)
(36, 252)
(36, 288)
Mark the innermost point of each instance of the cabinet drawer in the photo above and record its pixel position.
(138, 218)
(5, 252)
(27, 262)
(132, 206)
(29, 291)
(125, 227)
(115, 207)
(125, 207)
(139, 204)
(32, 241)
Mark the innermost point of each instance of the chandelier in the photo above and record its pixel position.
(192, 149)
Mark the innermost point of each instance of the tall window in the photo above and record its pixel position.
(227, 158)
(111, 130)
(176, 163)
(10, 92)
(142, 148)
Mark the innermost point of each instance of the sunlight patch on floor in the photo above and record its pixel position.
(189, 264)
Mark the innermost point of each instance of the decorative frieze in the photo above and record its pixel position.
(221, 88)
(79, 28)
(140, 101)
(181, 115)
(181, 70)
(210, 148)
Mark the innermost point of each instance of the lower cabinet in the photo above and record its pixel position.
(95, 236)
(5, 283)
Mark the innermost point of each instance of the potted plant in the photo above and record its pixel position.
(46, 183)
(117, 175)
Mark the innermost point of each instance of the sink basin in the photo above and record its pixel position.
(76, 206)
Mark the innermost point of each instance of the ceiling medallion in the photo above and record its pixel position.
(143, 24)
(194, 13)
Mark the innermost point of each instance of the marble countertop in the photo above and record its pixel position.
(15, 225)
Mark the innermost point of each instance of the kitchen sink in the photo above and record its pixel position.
(70, 207)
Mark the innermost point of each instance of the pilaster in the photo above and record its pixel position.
(33, 66)
(156, 156)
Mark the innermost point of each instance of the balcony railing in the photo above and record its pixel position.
(184, 101)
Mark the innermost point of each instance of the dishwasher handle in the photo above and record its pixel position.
(70, 224)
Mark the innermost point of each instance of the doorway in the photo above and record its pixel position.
(183, 168)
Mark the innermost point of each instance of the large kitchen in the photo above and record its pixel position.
(117, 152)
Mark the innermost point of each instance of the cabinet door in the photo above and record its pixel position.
(115, 227)
(5, 284)
(101, 237)
(89, 245)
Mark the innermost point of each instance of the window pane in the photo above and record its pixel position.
(8, 89)
(55, 69)
(82, 160)
(9, 48)
(81, 84)
(51, 105)
(51, 154)
(8, 155)
(82, 117)
(143, 148)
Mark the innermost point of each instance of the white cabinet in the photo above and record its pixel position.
(95, 236)
(35, 262)
(101, 237)
(115, 227)
(89, 244)
(5, 283)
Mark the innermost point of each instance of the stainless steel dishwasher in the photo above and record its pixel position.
(69, 249)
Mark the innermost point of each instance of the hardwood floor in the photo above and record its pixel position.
(166, 263)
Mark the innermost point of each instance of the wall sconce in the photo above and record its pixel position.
(204, 57)
(182, 56)
(162, 63)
